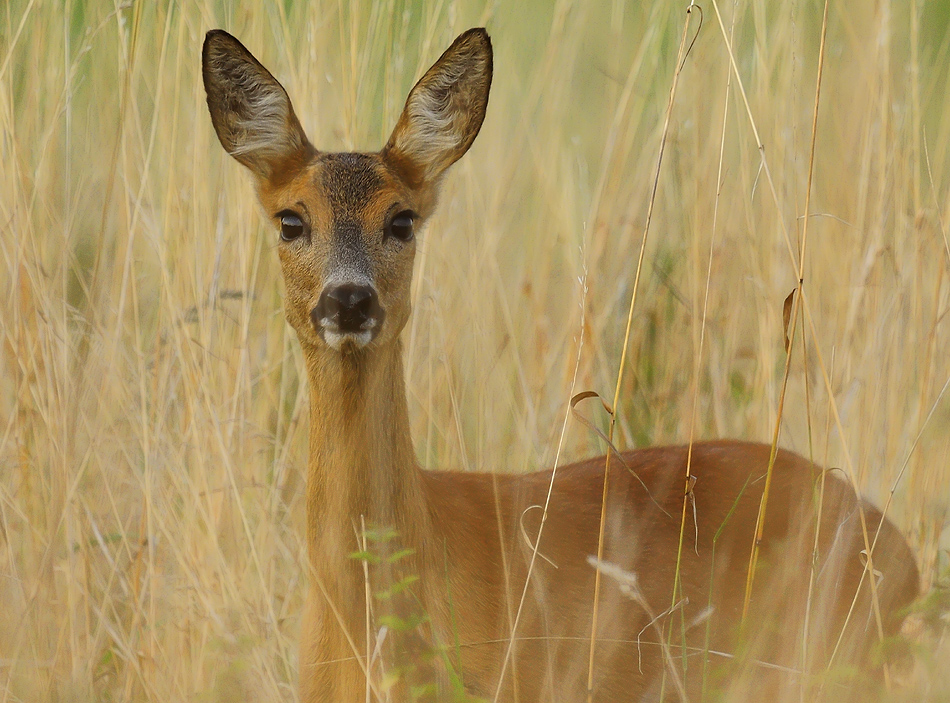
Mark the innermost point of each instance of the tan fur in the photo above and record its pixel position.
(466, 529)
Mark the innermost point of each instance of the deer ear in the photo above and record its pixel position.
(250, 110)
(444, 111)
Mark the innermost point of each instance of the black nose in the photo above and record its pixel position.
(347, 308)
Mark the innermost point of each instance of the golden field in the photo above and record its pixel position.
(153, 418)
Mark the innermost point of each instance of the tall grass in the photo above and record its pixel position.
(152, 415)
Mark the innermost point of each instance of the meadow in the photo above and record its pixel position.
(153, 418)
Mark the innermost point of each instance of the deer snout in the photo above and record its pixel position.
(348, 313)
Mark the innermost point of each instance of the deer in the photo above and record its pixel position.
(451, 585)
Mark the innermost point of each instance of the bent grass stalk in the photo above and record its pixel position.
(623, 356)
(801, 301)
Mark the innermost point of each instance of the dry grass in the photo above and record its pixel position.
(152, 416)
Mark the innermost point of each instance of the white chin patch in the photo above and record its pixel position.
(337, 341)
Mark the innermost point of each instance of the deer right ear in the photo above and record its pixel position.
(444, 111)
(250, 110)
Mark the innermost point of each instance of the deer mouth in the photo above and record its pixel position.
(347, 341)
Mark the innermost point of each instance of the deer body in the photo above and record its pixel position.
(428, 605)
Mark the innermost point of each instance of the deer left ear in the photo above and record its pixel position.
(444, 111)
(250, 109)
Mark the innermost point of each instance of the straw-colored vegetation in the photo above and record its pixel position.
(152, 415)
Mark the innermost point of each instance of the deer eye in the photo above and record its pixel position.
(400, 226)
(291, 226)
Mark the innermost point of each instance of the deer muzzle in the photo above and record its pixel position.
(348, 314)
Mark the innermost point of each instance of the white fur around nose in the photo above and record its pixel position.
(335, 339)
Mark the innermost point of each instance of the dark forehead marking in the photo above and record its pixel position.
(349, 181)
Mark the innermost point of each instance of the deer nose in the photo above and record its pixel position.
(348, 309)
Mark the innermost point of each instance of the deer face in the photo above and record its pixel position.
(347, 222)
(347, 227)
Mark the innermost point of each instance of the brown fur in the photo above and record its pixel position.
(466, 530)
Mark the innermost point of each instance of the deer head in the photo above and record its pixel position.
(347, 221)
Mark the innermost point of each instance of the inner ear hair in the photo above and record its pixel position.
(444, 111)
(250, 110)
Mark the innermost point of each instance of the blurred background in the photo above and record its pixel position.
(153, 419)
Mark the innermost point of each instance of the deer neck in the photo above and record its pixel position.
(363, 473)
(362, 468)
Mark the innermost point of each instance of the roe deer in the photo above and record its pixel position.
(416, 575)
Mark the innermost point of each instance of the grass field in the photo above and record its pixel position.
(152, 415)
